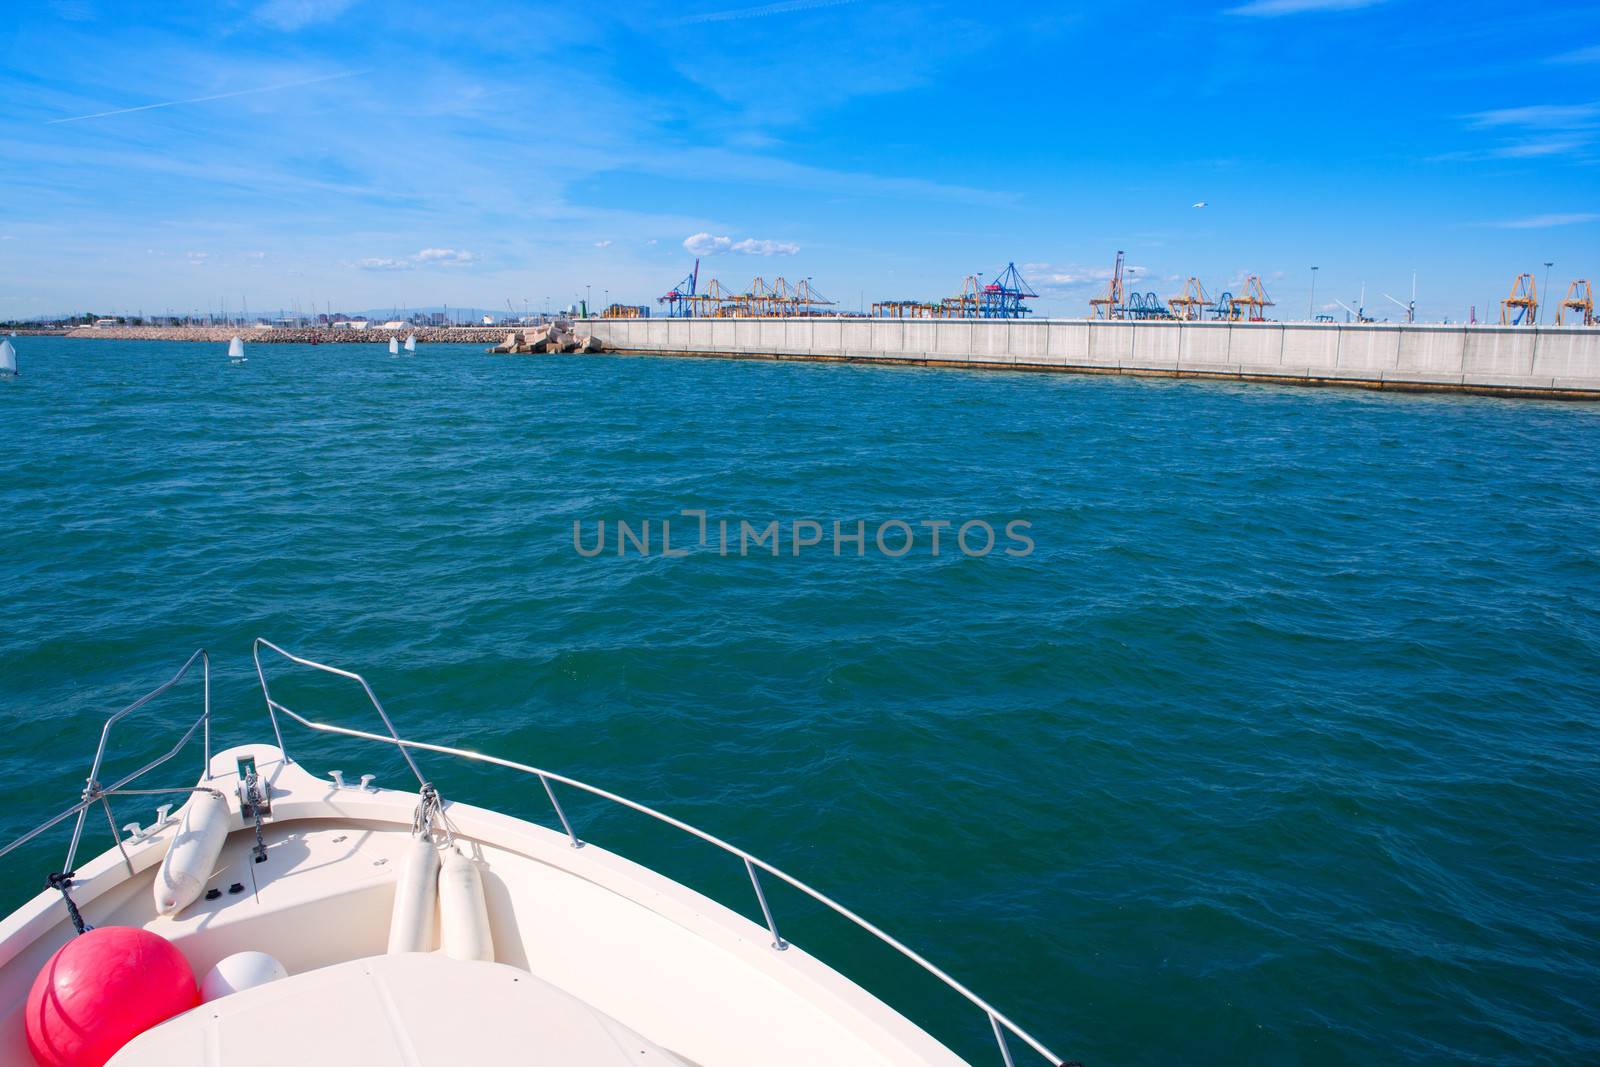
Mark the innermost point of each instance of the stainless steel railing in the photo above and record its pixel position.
(94, 793)
(998, 1022)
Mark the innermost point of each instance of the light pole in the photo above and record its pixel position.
(586, 299)
(1311, 304)
(1536, 307)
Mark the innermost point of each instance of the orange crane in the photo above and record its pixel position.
(709, 302)
(1579, 299)
(1525, 299)
(759, 301)
(784, 300)
(1109, 306)
(1254, 301)
(1193, 303)
(809, 298)
(965, 304)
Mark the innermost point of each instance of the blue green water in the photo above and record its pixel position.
(1283, 745)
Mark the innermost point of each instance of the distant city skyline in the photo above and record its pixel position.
(343, 155)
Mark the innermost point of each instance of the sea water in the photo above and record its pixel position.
(1279, 744)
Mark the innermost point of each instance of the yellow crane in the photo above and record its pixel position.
(1109, 304)
(1524, 299)
(809, 298)
(709, 302)
(1253, 304)
(1193, 303)
(1580, 301)
(963, 305)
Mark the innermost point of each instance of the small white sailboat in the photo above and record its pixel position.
(8, 358)
(411, 344)
(236, 351)
(394, 347)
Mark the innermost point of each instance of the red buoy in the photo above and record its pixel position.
(101, 990)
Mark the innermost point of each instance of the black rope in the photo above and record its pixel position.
(253, 793)
(63, 882)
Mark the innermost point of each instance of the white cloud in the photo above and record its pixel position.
(198, 257)
(752, 247)
(1539, 149)
(1590, 54)
(1532, 131)
(1070, 276)
(1275, 8)
(1541, 116)
(73, 10)
(207, 99)
(705, 244)
(381, 263)
(784, 8)
(445, 256)
(429, 257)
(295, 14)
(1541, 222)
(602, 244)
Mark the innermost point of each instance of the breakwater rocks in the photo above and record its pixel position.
(311, 335)
(557, 336)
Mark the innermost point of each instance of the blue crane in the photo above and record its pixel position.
(1003, 297)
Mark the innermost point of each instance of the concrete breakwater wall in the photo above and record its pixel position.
(320, 335)
(1501, 360)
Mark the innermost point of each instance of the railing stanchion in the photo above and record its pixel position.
(1000, 1037)
(565, 825)
(205, 677)
(777, 939)
(111, 821)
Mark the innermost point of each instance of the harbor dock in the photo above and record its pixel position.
(1522, 361)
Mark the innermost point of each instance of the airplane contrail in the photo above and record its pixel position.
(213, 96)
(765, 9)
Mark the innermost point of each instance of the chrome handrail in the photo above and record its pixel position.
(997, 1021)
(94, 792)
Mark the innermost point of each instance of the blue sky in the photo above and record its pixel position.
(364, 154)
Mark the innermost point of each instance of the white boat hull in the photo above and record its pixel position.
(692, 978)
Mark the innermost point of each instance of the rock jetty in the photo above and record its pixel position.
(557, 336)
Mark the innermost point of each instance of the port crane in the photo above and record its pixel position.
(1109, 304)
(1523, 301)
(1192, 304)
(1580, 301)
(1253, 304)
(965, 304)
(681, 298)
(809, 298)
(1146, 306)
(1359, 311)
(1411, 308)
(1003, 297)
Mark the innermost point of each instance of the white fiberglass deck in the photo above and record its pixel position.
(665, 962)
(406, 1010)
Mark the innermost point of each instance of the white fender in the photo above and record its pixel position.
(238, 972)
(193, 854)
(416, 891)
(463, 913)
